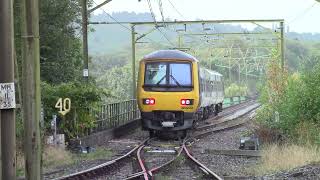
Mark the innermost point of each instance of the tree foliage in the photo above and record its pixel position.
(83, 97)
(60, 45)
(292, 105)
(119, 82)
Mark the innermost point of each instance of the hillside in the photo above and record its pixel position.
(105, 39)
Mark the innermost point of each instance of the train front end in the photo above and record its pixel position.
(168, 91)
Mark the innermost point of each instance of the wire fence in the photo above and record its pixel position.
(229, 101)
(116, 114)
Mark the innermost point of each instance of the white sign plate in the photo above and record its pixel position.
(85, 72)
(7, 96)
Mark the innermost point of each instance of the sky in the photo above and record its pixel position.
(299, 15)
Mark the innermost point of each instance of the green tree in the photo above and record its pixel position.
(61, 58)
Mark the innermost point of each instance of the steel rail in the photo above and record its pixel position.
(205, 169)
(225, 116)
(232, 109)
(138, 148)
(182, 148)
(101, 166)
(228, 125)
(202, 167)
(155, 169)
(144, 170)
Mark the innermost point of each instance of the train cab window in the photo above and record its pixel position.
(156, 73)
(168, 76)
(180, 74)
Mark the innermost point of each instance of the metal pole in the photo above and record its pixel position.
(8, 134)
(133, 47)
(31, 96)
(179, 41)
(54, 126)
(84, 14)
(282, 45)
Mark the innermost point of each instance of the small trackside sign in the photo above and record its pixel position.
(7, 96)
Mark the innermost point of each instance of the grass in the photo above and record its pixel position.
(277, 158)
(99, 153)
(54, 157)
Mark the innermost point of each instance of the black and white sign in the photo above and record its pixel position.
(7, 96)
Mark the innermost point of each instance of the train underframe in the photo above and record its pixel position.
(176, 123)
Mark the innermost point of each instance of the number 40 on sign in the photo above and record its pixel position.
(64, 105)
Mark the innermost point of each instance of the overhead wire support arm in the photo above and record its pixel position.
(230, 33)
(99, 6)
(145, 34)
(194, 21)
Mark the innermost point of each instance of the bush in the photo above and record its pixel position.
(296, 110)
(83, 98)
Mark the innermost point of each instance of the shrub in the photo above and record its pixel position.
(297, 107)
(83, 98)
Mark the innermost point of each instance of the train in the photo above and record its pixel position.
(174, 92)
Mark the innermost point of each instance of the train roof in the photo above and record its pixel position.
(169, 54)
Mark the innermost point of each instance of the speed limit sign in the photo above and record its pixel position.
(64, 105)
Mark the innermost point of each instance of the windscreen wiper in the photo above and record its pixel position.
(161, 80)
(175, 80)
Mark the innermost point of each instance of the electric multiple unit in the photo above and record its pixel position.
(174, 92)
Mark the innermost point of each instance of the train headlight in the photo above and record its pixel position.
(183, 102)
(186, 101)
(149, 101)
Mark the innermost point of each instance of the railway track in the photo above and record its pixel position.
(226, 122)
(183, 149)
(104, 168)
(211, 128)
(222, 122)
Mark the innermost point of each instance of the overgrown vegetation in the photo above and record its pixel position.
(54, 157)
(84, 97)
(280, 158)
(293, 106)
(289, 119)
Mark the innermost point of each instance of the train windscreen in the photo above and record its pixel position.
(168, 75)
